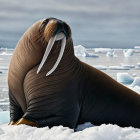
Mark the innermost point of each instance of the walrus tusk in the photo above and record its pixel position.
(59, 57)
(48, 49)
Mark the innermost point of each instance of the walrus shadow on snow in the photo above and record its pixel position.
(49, 86)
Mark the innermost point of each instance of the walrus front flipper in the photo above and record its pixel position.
(15, 110)
(26, 122)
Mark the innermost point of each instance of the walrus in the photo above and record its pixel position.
(50, 86)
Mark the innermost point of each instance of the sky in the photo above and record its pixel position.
(94, 23)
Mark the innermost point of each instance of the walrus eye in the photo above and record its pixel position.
(48, 49)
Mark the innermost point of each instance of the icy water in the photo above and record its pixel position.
(103, 62)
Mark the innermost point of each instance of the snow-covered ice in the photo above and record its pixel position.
(88, 132)
(124, 78)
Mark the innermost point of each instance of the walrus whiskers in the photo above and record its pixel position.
(48, 49)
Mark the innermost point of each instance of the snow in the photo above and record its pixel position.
(80, 51)
(128, 52)
(124, 78)
(86, 132)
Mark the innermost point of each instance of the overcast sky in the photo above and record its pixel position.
(94, 23)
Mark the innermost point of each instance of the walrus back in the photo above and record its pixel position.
(107, 101)
(25, 57)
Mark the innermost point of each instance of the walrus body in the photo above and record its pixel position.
(74, 93)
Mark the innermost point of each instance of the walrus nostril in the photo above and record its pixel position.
(61, 28)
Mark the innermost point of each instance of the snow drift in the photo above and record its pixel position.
(88, 132)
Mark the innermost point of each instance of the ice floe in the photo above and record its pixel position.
(124, 78)
(81, 51)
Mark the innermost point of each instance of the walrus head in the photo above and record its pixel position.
(54, 30)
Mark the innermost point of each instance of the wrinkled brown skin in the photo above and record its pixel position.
(74, 93)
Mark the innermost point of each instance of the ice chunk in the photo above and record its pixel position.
(124, 78)
(80, 51)
(136, 82)
(128, 52)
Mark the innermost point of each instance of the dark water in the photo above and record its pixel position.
(94, 23)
